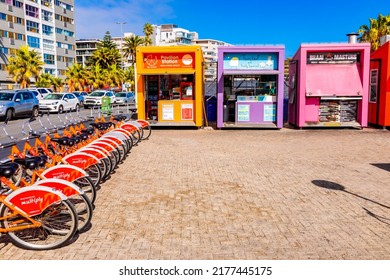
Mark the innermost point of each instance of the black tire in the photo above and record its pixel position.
(59, 224)
(9, 114)
(86, 184)
(60, 109)
(86, 106)
(84, 210)
(146, 132)
(95, 174)
(35, 112)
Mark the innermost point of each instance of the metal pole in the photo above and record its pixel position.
(121, 47)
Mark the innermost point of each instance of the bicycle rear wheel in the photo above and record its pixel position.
(84, 210)
(86, 184)
(95, 174)
(59, 224)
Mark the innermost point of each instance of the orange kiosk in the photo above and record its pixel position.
(379, 97)
(170, 85)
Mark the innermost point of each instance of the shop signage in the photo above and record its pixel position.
(186, 112)
(270, 112)
(167, 112)
(333, 57)
(243, 112)
(250, 61)
(168, 60)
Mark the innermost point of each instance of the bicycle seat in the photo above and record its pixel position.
(62, 140)
(8, 169)
(84, 136)
(89, 130)
(77, 139)
(29, 163)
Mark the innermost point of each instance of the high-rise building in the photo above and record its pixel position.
(46, 26)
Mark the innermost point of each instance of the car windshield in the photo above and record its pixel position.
(97, 93)
(53, 96)
(121, 94)
(5, 96)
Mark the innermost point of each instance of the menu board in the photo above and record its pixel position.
(243, 112)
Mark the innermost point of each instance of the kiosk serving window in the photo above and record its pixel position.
(250, 87)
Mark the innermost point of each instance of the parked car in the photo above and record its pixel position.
(95, 98)
(59, 102)
(80, 95)
(124, 97)
(40, 93)
(14, 103)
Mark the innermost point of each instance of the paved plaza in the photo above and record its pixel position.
(241, 194)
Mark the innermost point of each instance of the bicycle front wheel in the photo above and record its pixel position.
(59, 224)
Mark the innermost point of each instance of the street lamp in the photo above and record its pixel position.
(121, 24)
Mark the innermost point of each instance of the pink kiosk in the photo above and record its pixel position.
(328, 85)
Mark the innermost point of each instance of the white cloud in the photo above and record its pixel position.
(94, 18)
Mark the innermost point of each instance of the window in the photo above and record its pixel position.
(48, 58)
(4, 50)
(50, 71)
(48, 16)
(373, 85)
(32, 11)
(68, 33)
(47, 30)
(32, 26)
(33, 42)
(3, 16)
(48, 45)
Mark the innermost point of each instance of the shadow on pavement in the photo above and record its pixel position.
(384, 166)
(337, 187)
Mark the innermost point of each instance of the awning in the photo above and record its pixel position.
(333, 80)
(167, 72)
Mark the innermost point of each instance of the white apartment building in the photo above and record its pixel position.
(172, 35)
(85, 49)
(46, 26)
(210, 55)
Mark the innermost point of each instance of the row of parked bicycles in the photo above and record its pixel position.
(49, 180)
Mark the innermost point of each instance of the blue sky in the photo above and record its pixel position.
(241, 22)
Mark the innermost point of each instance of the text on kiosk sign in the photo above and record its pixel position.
(333, 58)
(168, 60)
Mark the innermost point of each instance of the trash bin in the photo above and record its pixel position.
(106, 105)
(211, 108)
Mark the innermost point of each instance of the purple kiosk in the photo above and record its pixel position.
(250, 87)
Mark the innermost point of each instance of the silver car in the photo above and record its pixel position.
(17, 103)
(124, 97)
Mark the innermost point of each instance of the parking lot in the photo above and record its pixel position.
(241, 194)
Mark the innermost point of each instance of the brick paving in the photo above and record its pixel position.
(241, 194)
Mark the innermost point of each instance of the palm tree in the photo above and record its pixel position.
(24, 65)
(148, 31)
(129, 76)
(372, 33)
(76, 77)
(130, 46)
(115, 76)
(95, 76)
(57, 84)
(44, 80)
